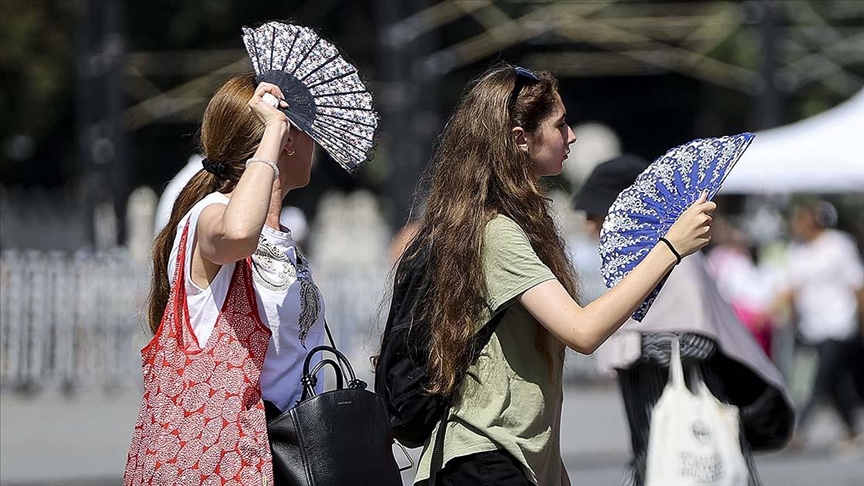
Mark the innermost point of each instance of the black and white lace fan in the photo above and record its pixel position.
(326, 97)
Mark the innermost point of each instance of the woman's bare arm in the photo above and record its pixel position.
(584, 329)
(230, 233)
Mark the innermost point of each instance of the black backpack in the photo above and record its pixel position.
(401, 371)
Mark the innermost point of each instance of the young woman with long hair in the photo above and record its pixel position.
(493, 247)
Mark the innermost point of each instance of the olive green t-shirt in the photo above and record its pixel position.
(510, 398)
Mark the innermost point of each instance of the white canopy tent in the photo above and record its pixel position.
(821, 154)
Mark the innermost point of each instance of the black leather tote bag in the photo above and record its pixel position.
(340, 437)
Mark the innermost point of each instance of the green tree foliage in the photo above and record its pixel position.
(36, 75)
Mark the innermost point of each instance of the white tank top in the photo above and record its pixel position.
(289, 302)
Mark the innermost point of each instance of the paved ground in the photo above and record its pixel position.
(51, 440)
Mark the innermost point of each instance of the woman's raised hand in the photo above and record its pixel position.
(264, 111)
(692, 231)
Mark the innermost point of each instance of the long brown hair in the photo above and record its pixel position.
(478, 172)
(229, 134)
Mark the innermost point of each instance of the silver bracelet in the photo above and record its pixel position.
(265, 161)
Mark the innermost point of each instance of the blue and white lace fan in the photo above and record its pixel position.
(646, 210)
(326, 97)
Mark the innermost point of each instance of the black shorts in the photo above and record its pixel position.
(497, 468)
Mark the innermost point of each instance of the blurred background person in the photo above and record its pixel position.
(741, 282)
(826, 292)
(293, 218)
(172, 190)
(401, 240)
(858, 354)
(712, 340)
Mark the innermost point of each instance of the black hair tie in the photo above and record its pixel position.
(214, 167)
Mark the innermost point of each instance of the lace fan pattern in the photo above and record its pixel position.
(645, 211)
(326, 96)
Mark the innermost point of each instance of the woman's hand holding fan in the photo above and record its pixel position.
(692, 231)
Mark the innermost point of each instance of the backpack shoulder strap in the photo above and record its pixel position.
(485, 333)
(483, 336)
(436, 463)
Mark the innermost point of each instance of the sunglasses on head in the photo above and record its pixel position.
(522, 76)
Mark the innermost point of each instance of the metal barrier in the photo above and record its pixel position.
(68, 320)
(73, 321)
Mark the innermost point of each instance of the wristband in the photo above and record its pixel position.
(672, 248)
(265, 161)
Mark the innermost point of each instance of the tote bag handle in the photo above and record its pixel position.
(676, 370)
(310, 379)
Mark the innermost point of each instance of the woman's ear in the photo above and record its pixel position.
(521, 139)
(289, 140)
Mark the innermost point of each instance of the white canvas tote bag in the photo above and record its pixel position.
(694, 437)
